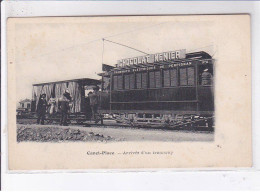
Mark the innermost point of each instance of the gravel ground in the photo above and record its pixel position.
(56, 133)
(147, 134)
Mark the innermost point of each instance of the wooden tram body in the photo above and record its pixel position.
(161, 93)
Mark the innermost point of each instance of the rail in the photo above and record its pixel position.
(192, 101)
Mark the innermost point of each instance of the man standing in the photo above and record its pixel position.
(94, 102)
(88, 110)
(206, 78)
(41, 109)
(64, 107)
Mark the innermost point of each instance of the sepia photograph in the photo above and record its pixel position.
(148, 86)
(120, 89)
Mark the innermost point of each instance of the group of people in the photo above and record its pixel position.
(64, 106)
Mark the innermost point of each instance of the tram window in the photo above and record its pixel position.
(120, 82)
(170, 78)
(191, 76)
(157, 79)
(144, 80)
(132, 81)
(127, 81)
(174, 80)
(115, 82)
(166, 78)
(187, 76)
(183, 77)
(139, 80)
(151, 80)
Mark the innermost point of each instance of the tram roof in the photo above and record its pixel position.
(82, 80)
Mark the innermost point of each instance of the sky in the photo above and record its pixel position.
(56, 49)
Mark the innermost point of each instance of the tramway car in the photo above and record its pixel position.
(161, 91)
(164, 89)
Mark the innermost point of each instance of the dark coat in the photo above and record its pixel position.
(88, 110)
(42, 106)
(93, 98)
(206, 78)
(64, 104)
(67, 95)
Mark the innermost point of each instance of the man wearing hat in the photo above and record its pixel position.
(93, 98)
(64, 107)
(67, 94)
(41, 109)
(206, 77)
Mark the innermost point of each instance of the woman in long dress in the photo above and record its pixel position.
(52, 104)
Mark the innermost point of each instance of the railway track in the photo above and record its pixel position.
(184, 126)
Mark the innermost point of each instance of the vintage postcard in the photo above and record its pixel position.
(129, 92)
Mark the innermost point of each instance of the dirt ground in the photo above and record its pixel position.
(51, 133)
(55, 133)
